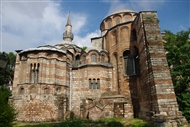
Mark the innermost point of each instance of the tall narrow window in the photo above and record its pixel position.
(98, 83)
(31, 73)
(102, 58)
(130, 66)
(109, 25)
(34, 72)
(77, 60)
(90, 84)
(93, 58)
(117, 21)
(46, 91)
(128, 63)
(94, 84)
(84, 60)
(131, 63)
(21, 90)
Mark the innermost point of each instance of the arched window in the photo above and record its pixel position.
(93, 58)
(34, 72)
(117, 21)
(98, 83)
(90, 84)
(109, 25)
(128, 63)
(21, 90)
(94, 84)
(77, 60)
(84, 60)
(102, 59)
(127, 19)
(58, 89)
(46, 90)
(131, 63)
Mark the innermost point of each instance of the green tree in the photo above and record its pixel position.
(7, 73)
(7, 111)
(84, 48)
(178, 56)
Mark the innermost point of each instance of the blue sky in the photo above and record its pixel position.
(32, 23)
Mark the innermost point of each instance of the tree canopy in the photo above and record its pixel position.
(178, 56)
(7, 73)
(7, 111)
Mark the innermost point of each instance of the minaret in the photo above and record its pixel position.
(68, 35)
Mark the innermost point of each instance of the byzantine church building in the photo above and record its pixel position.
(123, 74)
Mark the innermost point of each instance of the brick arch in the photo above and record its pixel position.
(106, 58)
(46, 90)
(113, 37)
(83, 58)
(108, 23)
(21, 90)
(127, 16)
(124, 35)
(117, 19)
(58, 89)
(69, 57)
(93, 52)
(33, 89)
(102, 26)
(116, 15)
(126, 55)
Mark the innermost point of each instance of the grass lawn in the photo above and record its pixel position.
(111, 122)
(22, 124)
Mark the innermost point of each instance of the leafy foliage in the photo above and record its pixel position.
(75, 122)
(7, 111)
(84, 48)
(178, 55)
(7, 73)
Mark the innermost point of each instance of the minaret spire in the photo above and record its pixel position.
(68, 35)
(69, 20)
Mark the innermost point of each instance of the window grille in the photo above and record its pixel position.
(94, 84)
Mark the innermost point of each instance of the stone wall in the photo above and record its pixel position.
(156, 94)
(50, 81)
(47, 98)
(33, 104)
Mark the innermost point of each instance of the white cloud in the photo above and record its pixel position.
(86, 41)
(31, 24)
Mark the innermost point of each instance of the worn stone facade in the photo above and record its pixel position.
(123, 74)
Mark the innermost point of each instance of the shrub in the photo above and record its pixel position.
(74, 122)
(140, 123)
(115, 124)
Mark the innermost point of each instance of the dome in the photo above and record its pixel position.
(122, 11)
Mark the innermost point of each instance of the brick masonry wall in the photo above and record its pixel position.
(46, 100)
(156, 94)
(63, 85)
(80, 84)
